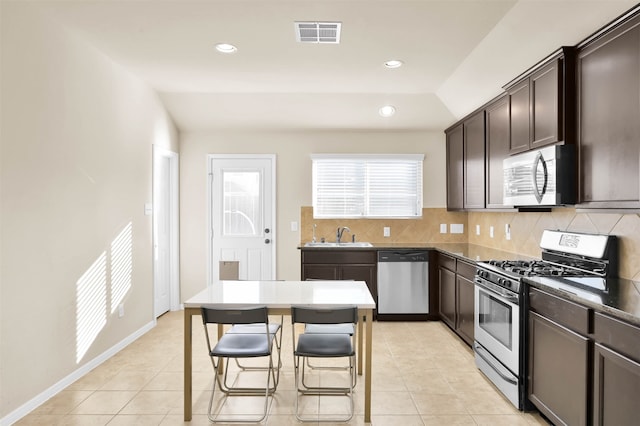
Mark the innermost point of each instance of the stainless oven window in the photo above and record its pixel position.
(496, 318)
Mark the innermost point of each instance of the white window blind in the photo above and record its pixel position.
(374, 186)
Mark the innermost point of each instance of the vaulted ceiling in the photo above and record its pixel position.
(457, 55)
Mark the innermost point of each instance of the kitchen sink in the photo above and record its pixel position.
(339, 245)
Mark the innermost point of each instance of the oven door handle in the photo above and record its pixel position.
(495, 289)
(482, 353)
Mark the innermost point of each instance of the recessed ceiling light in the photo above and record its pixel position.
(394, 63)
(226, 48)
(387, 111)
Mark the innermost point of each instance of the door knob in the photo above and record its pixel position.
(267, 230)
(267, 241)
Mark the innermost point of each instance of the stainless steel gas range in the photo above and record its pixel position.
(500, 303)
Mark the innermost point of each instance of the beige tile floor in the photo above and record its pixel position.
(422, 375)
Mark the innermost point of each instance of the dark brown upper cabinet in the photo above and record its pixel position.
(520, 131)
(497, 149)
(466, 164)
(609, 118)
(542, 107)
(455, 168)
(474, 162)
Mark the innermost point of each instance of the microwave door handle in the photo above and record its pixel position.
(536, 191)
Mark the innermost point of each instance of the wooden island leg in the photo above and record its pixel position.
(188, 315)
(367, 366)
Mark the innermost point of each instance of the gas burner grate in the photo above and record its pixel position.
(537, 268)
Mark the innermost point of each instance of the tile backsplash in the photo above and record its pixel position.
(424, 229)
(525, 230)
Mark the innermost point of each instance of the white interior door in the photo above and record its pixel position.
(165, 231)
(242, 212)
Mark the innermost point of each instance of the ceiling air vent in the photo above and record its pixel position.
(318, 32)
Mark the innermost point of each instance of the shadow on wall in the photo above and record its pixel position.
(101, 289)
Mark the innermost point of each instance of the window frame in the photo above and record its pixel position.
(364, 185)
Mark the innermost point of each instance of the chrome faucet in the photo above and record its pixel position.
(340, 231)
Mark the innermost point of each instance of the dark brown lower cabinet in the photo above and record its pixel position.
(558, 371)
(583, 366)
(447, 291)
(559, 359)
(616, 382)
(465, 301)
(320, 272)
(341, 264)
(616, 388)
(456, 295)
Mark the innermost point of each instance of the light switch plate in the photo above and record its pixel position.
(386, 231)
(491, 231)
(443, 228)
(294, 226)
(507, 231)
(457, 228)
(477, 229)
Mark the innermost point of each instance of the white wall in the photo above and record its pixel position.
(292, 151)
(76, 157)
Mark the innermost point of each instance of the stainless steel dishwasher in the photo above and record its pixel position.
(403, 282)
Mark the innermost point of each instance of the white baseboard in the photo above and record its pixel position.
(41, 398)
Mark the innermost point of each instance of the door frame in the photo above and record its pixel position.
(210, 158)
(174, 224)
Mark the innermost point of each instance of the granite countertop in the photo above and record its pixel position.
(464, 251)
(621, 299)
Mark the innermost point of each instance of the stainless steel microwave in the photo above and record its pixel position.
(541, 177)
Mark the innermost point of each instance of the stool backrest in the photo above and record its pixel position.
(324, 315)
(220, 314)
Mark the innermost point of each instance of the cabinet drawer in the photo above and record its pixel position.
(467, 270)
(447, 262)
(339, 256)
(566, 313)
(617, 335)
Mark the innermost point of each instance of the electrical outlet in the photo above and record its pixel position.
(294, 226)
(507, 231)
(477, 229)
(386, 231)
(120, 310)
(491, 232)
(443, 228)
